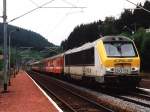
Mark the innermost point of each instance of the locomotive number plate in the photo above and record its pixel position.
(123, 70)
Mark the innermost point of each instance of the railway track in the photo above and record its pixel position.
(69, 98)
(138, 97)
(143, 91)
(134, 100)
(141, 95)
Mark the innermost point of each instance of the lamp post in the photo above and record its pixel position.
(9, 52)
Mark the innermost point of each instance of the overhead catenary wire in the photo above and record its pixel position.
(40, 6)
(31, 11)
(69, 3)
(65, 7)
(72, 12)
(138, 6)
(34, 3)
(63, 18)
(67, 14)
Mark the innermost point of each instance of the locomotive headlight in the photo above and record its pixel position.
(111, 69)
(135, 69)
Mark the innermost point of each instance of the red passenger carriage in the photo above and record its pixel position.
(54, 64)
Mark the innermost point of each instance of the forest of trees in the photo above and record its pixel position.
(131, 23)
(25, 38)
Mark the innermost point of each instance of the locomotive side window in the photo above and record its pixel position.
(120, 49)
(81, 58)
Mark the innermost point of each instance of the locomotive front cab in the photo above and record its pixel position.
(120, 61)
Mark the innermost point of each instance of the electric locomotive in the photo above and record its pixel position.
(111, 60)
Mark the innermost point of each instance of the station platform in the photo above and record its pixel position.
(25, 96)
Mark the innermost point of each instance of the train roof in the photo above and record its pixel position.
(55, 56)
(115, 38)
(45, 59)
(92, 44)
(34, 63)
(83, 47)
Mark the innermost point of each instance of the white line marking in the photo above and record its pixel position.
(45, 94)
(148, 90)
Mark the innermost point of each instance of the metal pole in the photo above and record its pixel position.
(5, 45)
(9, 68)
(9, 55)
(14, 63)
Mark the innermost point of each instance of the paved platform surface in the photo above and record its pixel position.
(24, 96)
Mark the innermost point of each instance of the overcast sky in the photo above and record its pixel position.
(55, 24)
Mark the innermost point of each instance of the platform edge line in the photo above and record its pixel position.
(57, 107)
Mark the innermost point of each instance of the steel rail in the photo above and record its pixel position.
(75, 94)
(132, 100)
(86, 99)
(141, 95)
(53, 94)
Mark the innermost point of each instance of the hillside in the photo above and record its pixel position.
(21, 41)
(25, 38)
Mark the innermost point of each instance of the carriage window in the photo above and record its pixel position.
(120, 49)
(85, 57)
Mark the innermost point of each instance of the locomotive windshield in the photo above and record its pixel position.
(120, 49)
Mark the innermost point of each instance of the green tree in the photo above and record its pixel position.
(138, 38)
(109, 26)
(145, 52)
